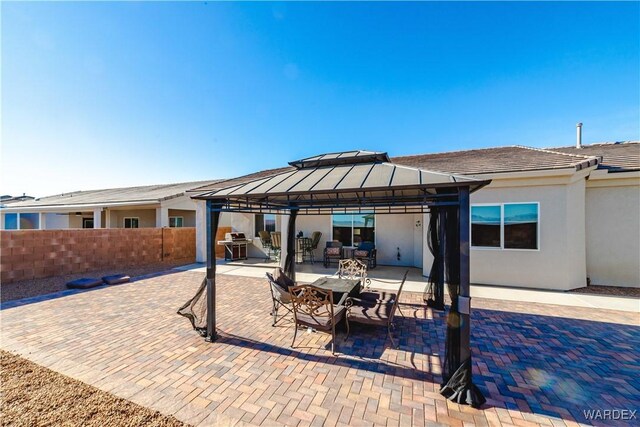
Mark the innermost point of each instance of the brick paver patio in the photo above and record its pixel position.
(537, 365)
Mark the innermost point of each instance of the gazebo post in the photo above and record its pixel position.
(290, 260)
(213, 217)
(465, 273)
(442, 232)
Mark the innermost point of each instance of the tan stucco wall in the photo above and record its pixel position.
(613, 236)
(147, 217)
(559, 263)
(189, 216)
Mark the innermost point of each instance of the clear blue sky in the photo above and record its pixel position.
(115, 94)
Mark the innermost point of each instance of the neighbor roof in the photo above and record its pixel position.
(616, 156)
(142, 194)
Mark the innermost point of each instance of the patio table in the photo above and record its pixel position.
(341, 288)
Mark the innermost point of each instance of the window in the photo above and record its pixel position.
(485, 226)
(521, 226)
(131, 222)
(265, 222)
(351, 230)
(11, 221)
(176, 221)
(505, 226)
(22, 221)
(29, 221)
(87, 222)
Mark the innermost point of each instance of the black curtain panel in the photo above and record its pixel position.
(289, 261)
(457, 383)
(434, 296)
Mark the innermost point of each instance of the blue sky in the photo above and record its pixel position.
(115, 94)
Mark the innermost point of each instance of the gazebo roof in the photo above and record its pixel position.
(344, 181)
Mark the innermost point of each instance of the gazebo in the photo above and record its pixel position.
(364, 182)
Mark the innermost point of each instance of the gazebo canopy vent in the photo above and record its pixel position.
(362, 181)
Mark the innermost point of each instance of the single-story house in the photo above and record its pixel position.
(132, 207)
(551, 218)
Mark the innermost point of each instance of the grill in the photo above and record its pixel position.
(235, 246)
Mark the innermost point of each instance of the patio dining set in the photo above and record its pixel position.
(344, 297)
(306, 248)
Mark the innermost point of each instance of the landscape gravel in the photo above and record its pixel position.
(32, 395)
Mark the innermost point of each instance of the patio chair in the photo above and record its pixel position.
(265, 240)
(353, 269)
(333, 250)
(279, 286)
(313, 308)
(276, 239)
(312, 246)
(374, 312)
(366, 251)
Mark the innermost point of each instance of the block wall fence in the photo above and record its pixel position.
(35, 254)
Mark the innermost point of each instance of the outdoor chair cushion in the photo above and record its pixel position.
(84, 283)
(324, 320)
(282, 279)
(333, 251)
(370, 312)
(116, 279)
(377, 296)
(359, 253)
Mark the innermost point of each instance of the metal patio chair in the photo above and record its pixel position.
(374, 312)
(313, 308)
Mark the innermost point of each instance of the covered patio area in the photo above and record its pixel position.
(362, 182)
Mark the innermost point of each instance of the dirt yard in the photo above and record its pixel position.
(614, 291)
(32, 395)
(36, 287)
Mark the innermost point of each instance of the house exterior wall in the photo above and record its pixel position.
(54, 221)
(189, 217)
(613, 230)
(147, 217)
(560, 262)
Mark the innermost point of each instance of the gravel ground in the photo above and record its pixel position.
(616, 291)
(36, 287)
(32, 395)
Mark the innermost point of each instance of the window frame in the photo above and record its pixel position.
(124, 221)
(502, 248)
(375, 222)
(176, 217)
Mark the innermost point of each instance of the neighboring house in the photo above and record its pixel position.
(7, 199)
(551, 218)
(132, 207)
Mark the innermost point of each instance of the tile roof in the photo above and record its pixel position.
(616, 156)
(496, 160)
(147, 193)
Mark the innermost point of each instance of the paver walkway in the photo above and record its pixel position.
(537, 365)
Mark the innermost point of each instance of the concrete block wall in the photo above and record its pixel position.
(33, 254)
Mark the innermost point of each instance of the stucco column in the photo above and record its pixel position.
(162, 217)
(97, 218)
(201, 231)
(107, 218)
(42, 220)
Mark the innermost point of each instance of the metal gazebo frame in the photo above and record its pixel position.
(367, 182)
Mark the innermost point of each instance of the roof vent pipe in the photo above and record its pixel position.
(579, 135)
